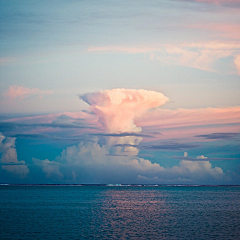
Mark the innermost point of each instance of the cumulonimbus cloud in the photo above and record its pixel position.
(118, 108)
(115, 158)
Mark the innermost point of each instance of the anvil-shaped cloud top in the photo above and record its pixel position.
(117, 108)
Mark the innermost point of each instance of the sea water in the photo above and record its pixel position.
(119, 212)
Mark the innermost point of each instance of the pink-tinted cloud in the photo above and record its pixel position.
(179, 123)
(7, 60)
(19, 92)
(161, 118)
(187, 123)
(227, 31)
(237, 63)
(66, 125)
(165, 118)
(118, 108)
(122, 49)
(196, 55)
(201, 55)
(188, 134)
(218, 2)
(224, 3)
(48, 118)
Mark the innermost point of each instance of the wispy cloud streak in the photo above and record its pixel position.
(19, 92)
(200, 55)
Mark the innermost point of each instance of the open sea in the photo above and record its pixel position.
(119, 212)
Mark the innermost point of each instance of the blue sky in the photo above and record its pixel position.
(53, 52)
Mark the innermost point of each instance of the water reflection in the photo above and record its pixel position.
(56, 212)
(167, 213)
(134, 214)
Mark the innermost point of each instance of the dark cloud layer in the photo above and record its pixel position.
(13, 125)
(205, 159)
(219, 136)
(170, 146)
(125, 134)
(62, 121)
(53, 137)
(12, 163)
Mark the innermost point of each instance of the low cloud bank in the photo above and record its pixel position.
(92, 163)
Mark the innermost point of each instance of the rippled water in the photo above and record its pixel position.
(90, 212)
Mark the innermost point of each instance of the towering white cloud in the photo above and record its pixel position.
(117, 108)
(9, 160)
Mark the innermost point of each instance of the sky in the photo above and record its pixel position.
(120, 91)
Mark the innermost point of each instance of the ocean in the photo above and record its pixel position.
(119, 212)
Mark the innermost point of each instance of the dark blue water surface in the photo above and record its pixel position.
(98, 212)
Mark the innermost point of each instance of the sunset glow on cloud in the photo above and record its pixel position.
(118, 108)
(190, 117)
(218, 1)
